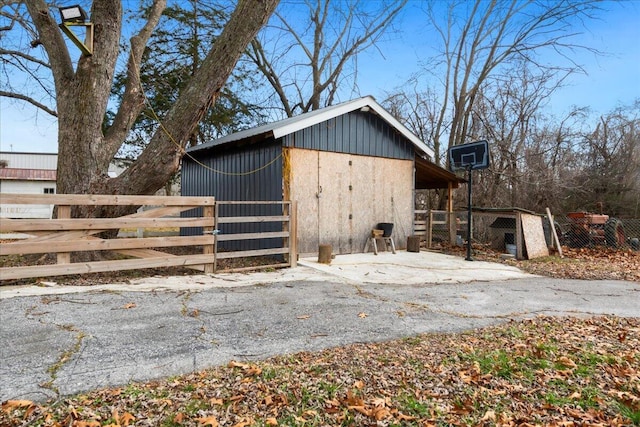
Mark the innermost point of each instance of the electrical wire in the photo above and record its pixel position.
(181, 149)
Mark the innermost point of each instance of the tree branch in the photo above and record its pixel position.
(257, 55)
(161, 157)
(30, 101)
(51, 37)
(22, 55)
(133, 99)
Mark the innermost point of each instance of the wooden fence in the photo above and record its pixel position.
(441, 226)
(288, 234)
(64, 235)
(451, 227)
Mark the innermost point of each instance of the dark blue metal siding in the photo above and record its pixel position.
(360, 133)
(241, 173)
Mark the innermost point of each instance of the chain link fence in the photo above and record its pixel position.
(499, 230)
(579, 230)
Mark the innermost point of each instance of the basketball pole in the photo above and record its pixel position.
(468, 157)
(468, 258)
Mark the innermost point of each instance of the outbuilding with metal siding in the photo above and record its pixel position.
(348, 167)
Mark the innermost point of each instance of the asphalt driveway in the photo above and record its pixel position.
(57, 340)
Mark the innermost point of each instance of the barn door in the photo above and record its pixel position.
(334, 202)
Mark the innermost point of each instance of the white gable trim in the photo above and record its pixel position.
(303, 121)
(318, 116)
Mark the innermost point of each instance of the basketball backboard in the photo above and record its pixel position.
(474, 155)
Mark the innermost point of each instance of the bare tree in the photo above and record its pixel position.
(81, 90)
(552, 162)
(479, 39)
(310, 54)
(529, 150)
(418, 111)
(610, 176)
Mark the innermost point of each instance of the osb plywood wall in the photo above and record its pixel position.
(341, 197)
(534, 239)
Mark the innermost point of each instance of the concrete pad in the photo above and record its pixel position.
(413, 268)
(167, 283)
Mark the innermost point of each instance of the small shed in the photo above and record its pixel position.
(349, 167)
(527, 232)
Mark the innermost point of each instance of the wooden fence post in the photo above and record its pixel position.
(429, 229)
(208, 212)
(64, 212)
(293, 234)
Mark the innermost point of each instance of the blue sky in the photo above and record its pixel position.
(613, 79)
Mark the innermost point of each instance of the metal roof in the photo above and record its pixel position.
(292, 124)
(27, 174)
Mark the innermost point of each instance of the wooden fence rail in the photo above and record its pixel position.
(65, 235)
(288, 248)
(438, 225)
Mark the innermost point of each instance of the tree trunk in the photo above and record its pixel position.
(324, 254)
(413, 243)
(85, 151)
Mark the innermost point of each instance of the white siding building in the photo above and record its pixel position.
(35, 173)
(27, 173)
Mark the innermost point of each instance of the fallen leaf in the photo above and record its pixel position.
(353, 401)
(489, 416)
(127, 418)
(130, 305)
(251, 370)
(362, 315)
(215, 401)
(379, 401)
(361, 409)
(208, 421)
(303, 317)
(403, 417)
(271, 421)
(565, 361)
(10, 405)
(380, 413)
(234, 364)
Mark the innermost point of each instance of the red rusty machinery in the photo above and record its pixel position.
(588, 229)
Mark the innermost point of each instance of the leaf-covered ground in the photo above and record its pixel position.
(596, 263)
(542, 371)
(588, 264)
